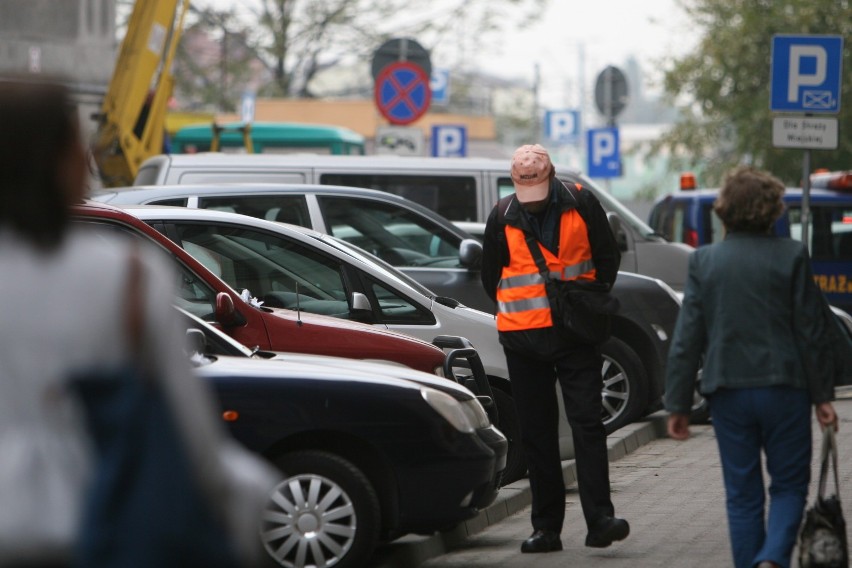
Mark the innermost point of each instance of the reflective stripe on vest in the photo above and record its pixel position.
(521, 295)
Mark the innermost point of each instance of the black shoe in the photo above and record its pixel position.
(607, 530)
(542, 541)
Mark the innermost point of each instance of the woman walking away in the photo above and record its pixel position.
(64, 297)
(755, 318)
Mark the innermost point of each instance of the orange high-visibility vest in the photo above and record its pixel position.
(521, 296)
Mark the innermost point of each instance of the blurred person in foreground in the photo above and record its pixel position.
(753, 314)
(62, 294)
(576, 241)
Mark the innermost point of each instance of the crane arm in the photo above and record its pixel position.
(131, 122)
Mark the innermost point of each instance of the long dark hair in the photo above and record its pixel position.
(38, 125)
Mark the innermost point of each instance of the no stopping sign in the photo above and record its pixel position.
(402, 92)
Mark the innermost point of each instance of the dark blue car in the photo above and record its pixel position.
(369, 451)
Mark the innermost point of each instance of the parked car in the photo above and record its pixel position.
(213, 342)
(286, 266)
(458, 189)
(445, 260)
(205, 295)
(687, 216)
(273, 260)
(368, 451)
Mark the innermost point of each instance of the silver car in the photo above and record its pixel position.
(445, 260)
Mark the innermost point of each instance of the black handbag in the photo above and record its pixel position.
(822, 538)
(581, 312)
(145, 507)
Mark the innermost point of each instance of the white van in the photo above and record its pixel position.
(459, 189)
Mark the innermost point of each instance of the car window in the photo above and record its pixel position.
(395, 234)
(280, 272)
(829, 233)
(453, 197)
(283, 208)
(194, 295)
(611, 204)
(714, 229)
(394, 308)
(179, 202)
(505, 186)
(364, 256)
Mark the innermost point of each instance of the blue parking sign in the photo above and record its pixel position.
(562, 126)
(449, 141)
(806, 73)
(602, 149)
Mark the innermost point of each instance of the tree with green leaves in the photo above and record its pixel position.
(722, 87)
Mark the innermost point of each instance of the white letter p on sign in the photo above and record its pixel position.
(797, 78)
(603, 147)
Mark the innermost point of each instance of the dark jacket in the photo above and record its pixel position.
(544, 342)
(755, 318)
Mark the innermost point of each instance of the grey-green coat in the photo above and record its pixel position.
(752, 316)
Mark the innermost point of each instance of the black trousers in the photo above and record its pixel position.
(534, 391)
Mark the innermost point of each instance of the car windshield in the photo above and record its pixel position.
(610, 203)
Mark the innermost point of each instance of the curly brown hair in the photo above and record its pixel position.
(750, 200)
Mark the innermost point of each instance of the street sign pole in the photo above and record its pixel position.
(806, 198)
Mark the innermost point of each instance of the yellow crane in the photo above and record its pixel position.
(131, 123)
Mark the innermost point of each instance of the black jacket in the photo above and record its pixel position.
(544, 342)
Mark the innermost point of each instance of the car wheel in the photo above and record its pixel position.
(624, 390)
(324, 512)
(516, 461)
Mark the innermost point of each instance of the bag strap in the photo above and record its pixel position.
(829, 450)
(537, 256)
(549, 284)
(134, 312)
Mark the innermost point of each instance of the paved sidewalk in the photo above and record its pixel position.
(670, 492)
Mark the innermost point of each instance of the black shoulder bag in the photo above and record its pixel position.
(580, 313)
(822, 540)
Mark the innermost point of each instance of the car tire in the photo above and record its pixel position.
(516, 461)
(298, 538)
(624, 389)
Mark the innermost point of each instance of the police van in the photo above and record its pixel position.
(687, 216)
(459, 189)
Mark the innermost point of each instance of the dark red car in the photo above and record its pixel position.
(205, 295)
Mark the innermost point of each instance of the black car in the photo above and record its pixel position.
(369, 451)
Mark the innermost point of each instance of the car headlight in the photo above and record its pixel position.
(476, 413)
(449, 408)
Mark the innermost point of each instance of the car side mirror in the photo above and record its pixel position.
(617, 230)
(226, 314)
(470, 253)
(361, 309)
(196, 342)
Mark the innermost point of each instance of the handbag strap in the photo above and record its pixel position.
(537, 256)
(549, 285)
(134, 312)
(829, 451)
